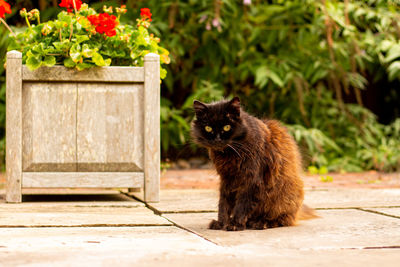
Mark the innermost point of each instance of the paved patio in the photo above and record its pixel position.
(357, 227)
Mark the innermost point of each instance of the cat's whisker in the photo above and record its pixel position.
(243, 151)
(235, 151)
(247, 151)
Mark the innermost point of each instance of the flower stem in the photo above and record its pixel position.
(76, 11)
(71, 30)
(8, 27)
(27, 21)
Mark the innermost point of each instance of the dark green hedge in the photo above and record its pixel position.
(320, 66)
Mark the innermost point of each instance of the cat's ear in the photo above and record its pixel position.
(199, 108)
(234, 106)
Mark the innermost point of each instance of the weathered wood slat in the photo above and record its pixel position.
(109, 127)
(152, 127)
(82, 179)
(62, 74)
(14, 127)
(49, 124)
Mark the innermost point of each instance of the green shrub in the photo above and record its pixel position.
(299, 61)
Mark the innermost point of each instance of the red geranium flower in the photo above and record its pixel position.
(145, 14)
(69, 5)
(4, 8)
(104, 23)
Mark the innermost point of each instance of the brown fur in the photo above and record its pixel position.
(259, 165)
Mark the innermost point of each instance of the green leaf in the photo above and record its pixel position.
(323, 170)
(326, 179)
(49, 61)
(64, 45)
(64, 17)
(75, 53)
(312, 170)
(135, 53)
(81, 38)
(87, 51)
(143, 38)
(263, 74)
(84, 65)
(394, 70)
(393, 53)
(261, 77)
(69, 63)
(38, 49)
(275, 78)
(13, 45)
(163, 73)
(98, 60)
(33, 62)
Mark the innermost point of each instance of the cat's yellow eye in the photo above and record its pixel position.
(208, 129)
(227, 128)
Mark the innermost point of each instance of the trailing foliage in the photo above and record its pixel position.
(300, 61)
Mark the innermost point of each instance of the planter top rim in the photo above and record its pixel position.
(59, 73)
(99, 74)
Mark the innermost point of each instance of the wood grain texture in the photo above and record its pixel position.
(49, 124)
(109, 127)
(105, 74)
(82, 179)
(14, 127)
(151, 127)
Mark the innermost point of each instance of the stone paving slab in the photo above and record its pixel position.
(73, 214)
(349, 198)
(198, 200)
(101, 245)
(172, 201)
(162, 246)
(335, 229)
(388, 211)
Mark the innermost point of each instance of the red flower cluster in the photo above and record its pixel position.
(145, 14)
(4, 8)
(69, 5)
(104, 23)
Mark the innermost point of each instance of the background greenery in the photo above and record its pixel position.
(328, 69)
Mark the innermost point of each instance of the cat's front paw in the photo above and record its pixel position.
(215, 225)
(235, 227)
(257, 225)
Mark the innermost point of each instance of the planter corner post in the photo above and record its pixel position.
(14, 127)
(151, 127)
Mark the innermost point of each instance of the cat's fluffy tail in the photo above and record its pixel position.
(306, 213)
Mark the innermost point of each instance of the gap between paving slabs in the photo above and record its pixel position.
(196, 221)
(158, 213)
(82, 211)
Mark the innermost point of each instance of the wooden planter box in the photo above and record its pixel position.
(98, 128)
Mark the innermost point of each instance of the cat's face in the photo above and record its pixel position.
(218, 124)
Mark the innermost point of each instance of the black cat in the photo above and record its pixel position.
(258, 163)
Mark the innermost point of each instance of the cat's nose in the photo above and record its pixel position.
(217, 138)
